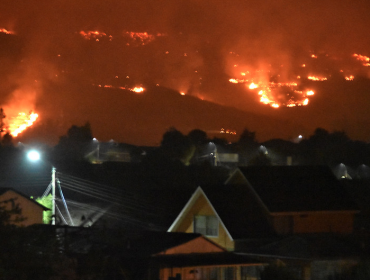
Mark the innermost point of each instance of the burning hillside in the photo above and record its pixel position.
(261, 57)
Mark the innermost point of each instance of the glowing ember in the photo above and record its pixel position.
(350, 78)
(93, 35)
(228, 131)
(310, 93)
(137, 89)
(21, 122)
(253, 86)
(3, 30)
(363, 58)
(313, 78)
(234, 81)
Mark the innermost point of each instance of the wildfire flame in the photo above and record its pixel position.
(313, 78)
(137, 90)
(88, 35)
(3, 30)
(21, 122)
(362, 58)
(267, 94)
(142, 38)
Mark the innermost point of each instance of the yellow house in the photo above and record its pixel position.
(199, 216)
(222, 215)
(31, 212)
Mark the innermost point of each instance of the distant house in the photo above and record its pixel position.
(31, 212)
(300, 199)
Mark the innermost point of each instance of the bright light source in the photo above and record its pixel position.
(33, 155)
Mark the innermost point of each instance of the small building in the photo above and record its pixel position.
(30, 212)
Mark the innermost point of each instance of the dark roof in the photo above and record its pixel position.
(239, 210)
(298, 188)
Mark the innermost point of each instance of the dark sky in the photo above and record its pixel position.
(194, 47)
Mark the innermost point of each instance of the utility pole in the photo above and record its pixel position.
(53, 170)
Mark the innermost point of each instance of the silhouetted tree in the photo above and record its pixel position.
(247, 137)
(198, 137)
(7, 140)
(175, 145)
(73, 146)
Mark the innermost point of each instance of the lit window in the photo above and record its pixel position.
(206, 225)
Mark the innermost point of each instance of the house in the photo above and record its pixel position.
(300, 199)
(31, 212)
(223, 214)
(299, 216)
(155, 255)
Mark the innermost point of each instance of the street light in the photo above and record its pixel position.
(35, 156)
(214, 153)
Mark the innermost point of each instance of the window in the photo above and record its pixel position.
(206, 225)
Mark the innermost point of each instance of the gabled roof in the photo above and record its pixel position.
(298, 188)
(4, 190)
(236, 208)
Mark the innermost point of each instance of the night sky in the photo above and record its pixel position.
(78, 61)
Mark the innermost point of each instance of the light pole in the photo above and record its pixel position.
(214, 154)
(53, 170)
(35, 156)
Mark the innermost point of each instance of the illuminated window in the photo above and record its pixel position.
(206, 225)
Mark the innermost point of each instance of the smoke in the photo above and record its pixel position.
(202, 45)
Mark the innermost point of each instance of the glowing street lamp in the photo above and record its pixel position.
(33, 155)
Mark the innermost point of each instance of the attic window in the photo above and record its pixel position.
(206, 225)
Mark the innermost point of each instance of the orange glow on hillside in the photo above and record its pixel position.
(21, 122)
(253, 86)
(313, 78)
(363, 58)
(88, 35)
(3, 30)
(137, 90)
(310, 93)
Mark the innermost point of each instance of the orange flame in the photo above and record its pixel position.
(137, 89)
(363, 58)
(21, 122)
(3, 30)
(253, 86)
(313, 78)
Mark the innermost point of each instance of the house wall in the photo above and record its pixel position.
(202, 207)
(30, 211)
(226, 272)
(340, 222)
